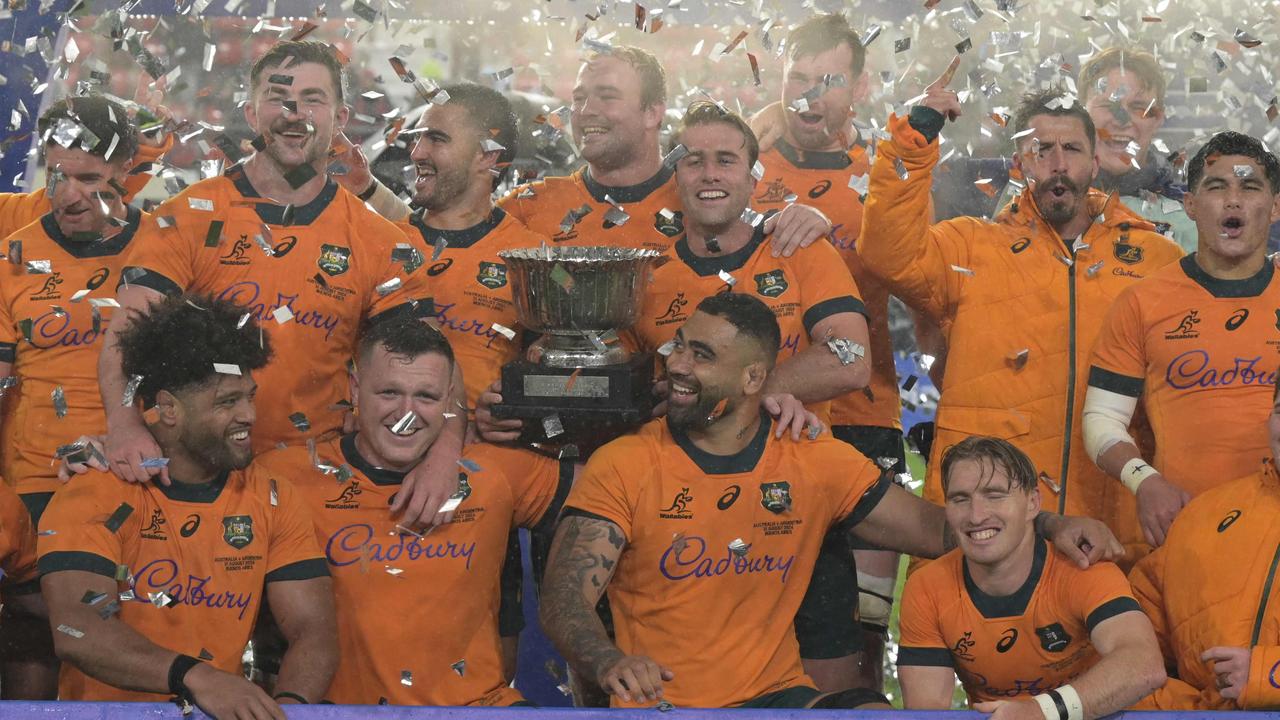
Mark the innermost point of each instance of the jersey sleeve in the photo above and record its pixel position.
(920, 641)
(81, 528)
(162, 256)
(9, 333)
(1119, 356)
(856, 484)
(826, 286)
(514, 205)
(1100, 593)
(536, 482)
(17, 210)
(605, 489)
(17, 540)
(293, 553)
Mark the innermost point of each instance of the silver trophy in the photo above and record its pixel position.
(578, 384)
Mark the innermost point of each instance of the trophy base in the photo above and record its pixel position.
(586, 406)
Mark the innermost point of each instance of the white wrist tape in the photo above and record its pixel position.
(875, 599)
(1105, 420)
(1075, 706)
(1134, 472)
(1047, 706)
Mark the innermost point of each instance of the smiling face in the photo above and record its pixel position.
(711, 372)
(714, 179)
(298, 120)
(611, 126)
(447, 157)
(829, 105)
(216, 420)
(1127, 118)
(388, 387)
(1058, 161)
(991, 516)
(1233, 206)
(83, 187)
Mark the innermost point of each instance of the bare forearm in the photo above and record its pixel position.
(1116, 457)
(112, 652)
(574, 627)
(815, 374)
(581, 563)
(1120, 679)
(111, 381)
(308, 667)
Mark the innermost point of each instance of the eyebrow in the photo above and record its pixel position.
(698, 345)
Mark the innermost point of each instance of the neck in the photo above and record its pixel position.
(833, 143)
(730, 434)
(184, 468)
(730, 238)
(268, 179)
(1224, 268)
(471, 209)
(1075, 227)
(372, 457)
(1005, 576)
(639, 169)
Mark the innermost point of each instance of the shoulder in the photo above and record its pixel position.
(632, 447)
(1218, 509)
(935, 577)
(281, 460)
(512, 233)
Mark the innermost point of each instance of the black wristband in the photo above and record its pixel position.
(291, 696)
(1059, 703)
(178, 670)
(926, 121)
(369, 191)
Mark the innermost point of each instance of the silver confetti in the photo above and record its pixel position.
(739, 548)
(405, 424)
(59, 402)
(131, 390)
(552, 426)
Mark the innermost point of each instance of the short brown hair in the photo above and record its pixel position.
(705, 112)
(653, 79)
(996, 453)
(821, 33)
(302, 51)
(1142, 64)
(1039, 102)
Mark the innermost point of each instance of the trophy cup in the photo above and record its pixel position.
(577, 384)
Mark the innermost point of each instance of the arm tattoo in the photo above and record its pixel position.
(582, 561)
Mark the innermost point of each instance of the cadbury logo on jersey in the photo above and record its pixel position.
(1053, 637)
(492, 275)
(687, 557)
(162, 576)
(355, 543)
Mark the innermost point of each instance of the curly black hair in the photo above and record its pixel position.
(174, 347)
(1234, 143)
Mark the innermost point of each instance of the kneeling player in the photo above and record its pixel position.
(1012, 617)
(417, 614)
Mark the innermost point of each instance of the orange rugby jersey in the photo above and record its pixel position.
(821, 180)
(1202, 354)
(50, 330)
(471, 292)
(423, 606)
(327, 272)
(720, 619)
(18, 571)
(1016, 646)
(575, 210)
(208, 548)
(802, 290)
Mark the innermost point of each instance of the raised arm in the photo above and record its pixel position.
(583, 557)
(129, 441)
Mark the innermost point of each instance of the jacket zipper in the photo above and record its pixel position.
(1071, 377)
(1266, 597)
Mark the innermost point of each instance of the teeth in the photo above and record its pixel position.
(242, 435)
(712, 194)
(682, 390)
(982, 534)
(594, 131)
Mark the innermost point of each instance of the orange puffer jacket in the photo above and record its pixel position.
(1212, 584)
(1019, 314)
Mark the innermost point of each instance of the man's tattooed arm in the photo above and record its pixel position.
(582, 560)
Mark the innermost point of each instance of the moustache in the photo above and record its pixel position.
(1060, 181)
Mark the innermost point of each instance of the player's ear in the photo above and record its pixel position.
(754, 376)
(1033, 501)
(169, 408)
(1275, 207)
(861, 86)
(654, 114)
(343, 115)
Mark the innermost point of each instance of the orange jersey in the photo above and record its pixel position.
(49, 330)
(1016, 646)
(802, 290)
(720, 619)
(821, 180)
(17, 544)
(423, 606)
(471, 292)
(575, 210)
(322, 279)
(1201, 353)
(208, 548)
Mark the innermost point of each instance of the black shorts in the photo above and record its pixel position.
(875, 443)
(827, 622)
(36, 503)
(794, 697)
